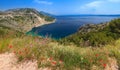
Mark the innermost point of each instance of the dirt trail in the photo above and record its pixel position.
(8, 61)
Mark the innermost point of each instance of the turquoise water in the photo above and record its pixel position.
(67, 25)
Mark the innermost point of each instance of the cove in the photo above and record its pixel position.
(67, 25)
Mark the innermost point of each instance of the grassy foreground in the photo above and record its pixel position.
(49, 53)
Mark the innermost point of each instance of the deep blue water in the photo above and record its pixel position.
(67, 25)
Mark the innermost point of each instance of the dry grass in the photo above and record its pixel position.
(56, 56)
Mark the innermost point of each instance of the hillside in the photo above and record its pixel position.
(95, 35)
(19, 51)
(23, 52)
(24, 19)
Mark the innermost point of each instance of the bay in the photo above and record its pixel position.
(67, 25)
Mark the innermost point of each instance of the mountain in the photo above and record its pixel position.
(24, 19)
(47, 13)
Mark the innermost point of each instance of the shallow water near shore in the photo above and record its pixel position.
(67, 25)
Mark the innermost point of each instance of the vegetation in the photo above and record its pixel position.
(6, 32)
(96, 37)
(51, 54)
(76, 55)
(47, 18)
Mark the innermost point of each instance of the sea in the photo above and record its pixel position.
(66, 25)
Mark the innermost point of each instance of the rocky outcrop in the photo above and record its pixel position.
(92, 27)
(24, 19)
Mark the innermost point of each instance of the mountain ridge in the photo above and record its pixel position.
(24, 19)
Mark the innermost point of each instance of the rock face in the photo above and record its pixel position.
(92, 27)
(23, 19)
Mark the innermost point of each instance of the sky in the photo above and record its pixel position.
(65, 7)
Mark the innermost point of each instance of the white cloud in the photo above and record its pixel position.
(98, 3)
(92, 7)
(100, 6)
(93, 4)
(114, 1)
(43, 2)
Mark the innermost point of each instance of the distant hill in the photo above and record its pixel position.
(24, 19)
(45, 13)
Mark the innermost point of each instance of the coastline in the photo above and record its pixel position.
(37, 25)
(45, 22)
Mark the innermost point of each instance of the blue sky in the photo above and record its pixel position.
(66, 7)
